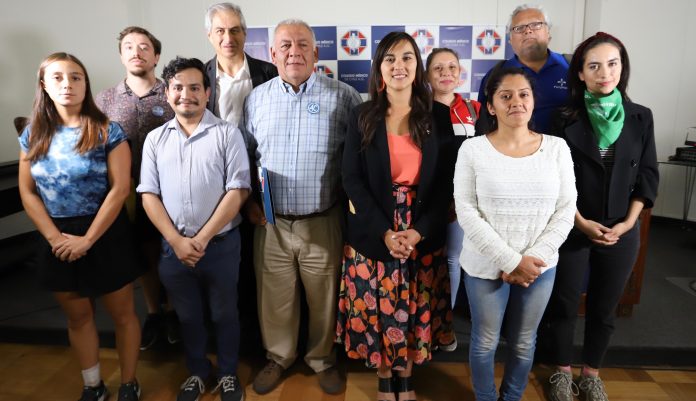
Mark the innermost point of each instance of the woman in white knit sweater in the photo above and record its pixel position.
(514, 193)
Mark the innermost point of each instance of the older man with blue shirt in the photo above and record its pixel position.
(295, 126)
(194, 179)
(529, 29)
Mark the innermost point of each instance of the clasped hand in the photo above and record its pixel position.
(69, 248)
(602, 235)
(526, 271)
(188, 250)
(401, 243)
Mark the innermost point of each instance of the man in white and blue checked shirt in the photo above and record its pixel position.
(294, 126)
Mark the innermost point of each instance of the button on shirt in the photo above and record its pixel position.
(137, 115)
(191, 174)
(231, 91)
(298, 137)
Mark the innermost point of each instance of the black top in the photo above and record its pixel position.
(367, 182)
(634, 174)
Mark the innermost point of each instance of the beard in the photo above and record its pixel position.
(139, 72)
(188, 113)
(534, 52)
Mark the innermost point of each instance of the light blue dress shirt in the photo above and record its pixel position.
(299, 138)
(191, 174)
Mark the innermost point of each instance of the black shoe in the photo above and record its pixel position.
(172, 327)
(230, 389)
(98, 393)
(151, 329)
(129, 391)
(191, 390)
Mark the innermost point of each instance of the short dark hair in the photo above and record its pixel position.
(179, 64)
(156, 44)
(493, 83)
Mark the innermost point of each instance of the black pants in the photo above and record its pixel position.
(609, 270)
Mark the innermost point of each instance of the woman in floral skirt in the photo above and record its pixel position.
(394, 302)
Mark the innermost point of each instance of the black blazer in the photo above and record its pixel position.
(367, 182)
(634, 174)
(260, 71)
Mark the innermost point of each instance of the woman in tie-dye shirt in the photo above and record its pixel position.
(74, 176)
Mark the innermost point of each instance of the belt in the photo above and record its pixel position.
(221, 236)
(294, 217)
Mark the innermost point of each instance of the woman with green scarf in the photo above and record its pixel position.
(612, 144)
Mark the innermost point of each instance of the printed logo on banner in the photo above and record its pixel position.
(488, 41)
(324, 70)
(380, 31)
(464, 76)
(426, 37)
(479, 68)
(257, 43)
(354, 42)
(328, 68)
(326, 41)
(355, 73)
(457, 38)
(425, 40)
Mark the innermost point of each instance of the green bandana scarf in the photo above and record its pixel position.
(606, 116)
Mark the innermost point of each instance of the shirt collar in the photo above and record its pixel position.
(123, 88)
(243, 72)
(304, 87)
(207, 121)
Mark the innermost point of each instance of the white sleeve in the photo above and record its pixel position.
(476, 229)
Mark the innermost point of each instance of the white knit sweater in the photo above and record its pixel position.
(512, 206)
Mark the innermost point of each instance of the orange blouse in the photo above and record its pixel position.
(405, 159)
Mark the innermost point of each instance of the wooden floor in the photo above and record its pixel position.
(41, 373)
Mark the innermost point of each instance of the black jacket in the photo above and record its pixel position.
(260, 71)
(367, 182)
(634, 174)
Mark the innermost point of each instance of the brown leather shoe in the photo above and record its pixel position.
(331, 381)
(268, 378)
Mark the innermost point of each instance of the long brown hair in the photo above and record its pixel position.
(419, 117)
(45, 118)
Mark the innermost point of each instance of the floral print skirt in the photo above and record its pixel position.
(397, 310)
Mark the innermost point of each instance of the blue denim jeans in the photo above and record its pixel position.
(491, 301)
(213, 282)
(455, 237)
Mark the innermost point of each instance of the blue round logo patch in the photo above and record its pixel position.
(313, 108)
(158, 111)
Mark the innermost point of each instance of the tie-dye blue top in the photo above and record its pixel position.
(72, 184)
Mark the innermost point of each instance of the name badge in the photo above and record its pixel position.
(158, 111)
(313, 108)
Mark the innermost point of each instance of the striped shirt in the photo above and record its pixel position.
(191, 174)
(298, 137)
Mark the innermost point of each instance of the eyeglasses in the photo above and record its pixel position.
(534, 26)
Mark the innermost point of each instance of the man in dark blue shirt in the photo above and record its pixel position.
(529, 30)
